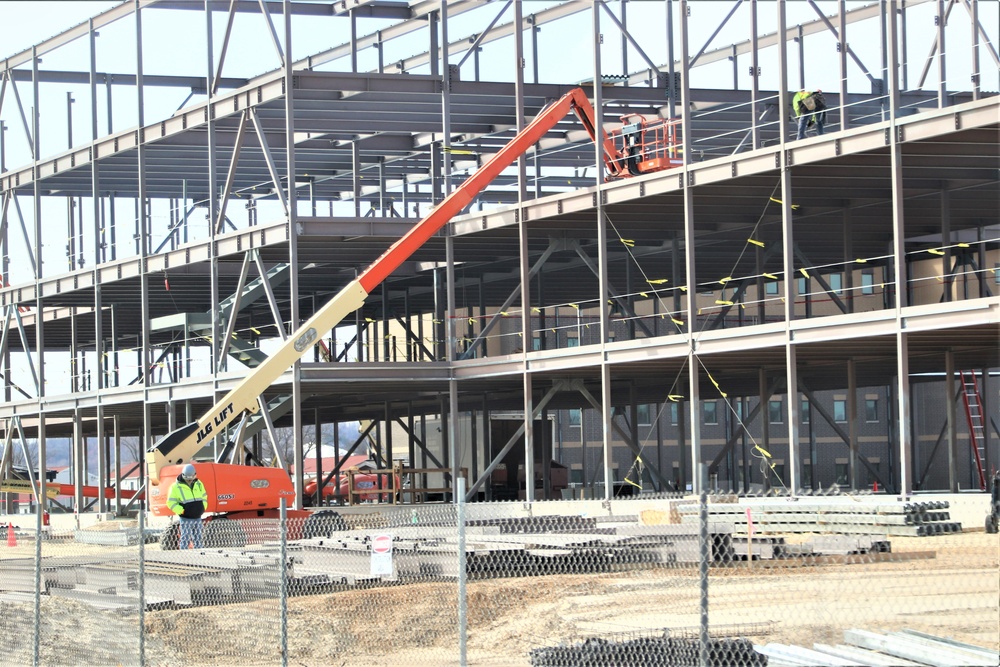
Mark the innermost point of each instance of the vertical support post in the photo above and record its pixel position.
(949, 418)
(899, 258)
(948, 278)
(845, 109)
(800, 38)
(852, 423)
(293, 256)
(974, 9)
(524, 262)
(602, 262)
(143, 223)
(942, 20)
(690, 280)
(754, 77)
(765, 420)
(212, 188)
(450, 321)
(884, 19)
(671, 74)
(902, 45)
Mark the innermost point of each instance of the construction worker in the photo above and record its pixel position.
(188, 500)
(810, 109)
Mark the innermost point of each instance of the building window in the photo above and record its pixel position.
(774, 412)
(806, 480)
(867, 282)
(839, 410)
(575, 417)
(573, 341)
(841, 469)
(771, 287)
(576, 476)
(804, 416)
(536, 343)
(837, 283)
(642, 414)
(710, 412)
(801, 285)
(996, 273)
(673, 414)
(871, 410)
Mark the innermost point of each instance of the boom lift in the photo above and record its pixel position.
(236, 491)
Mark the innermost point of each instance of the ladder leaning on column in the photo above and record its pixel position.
(974, 413)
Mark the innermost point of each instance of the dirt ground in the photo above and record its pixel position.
(945, 585)
(951, 588)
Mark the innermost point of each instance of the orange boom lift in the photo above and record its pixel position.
(237, 491)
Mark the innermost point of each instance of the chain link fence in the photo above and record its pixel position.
(667, 580)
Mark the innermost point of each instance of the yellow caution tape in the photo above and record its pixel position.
(756, 242)
(778, 201)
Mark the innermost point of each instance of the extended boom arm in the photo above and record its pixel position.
(180, 445)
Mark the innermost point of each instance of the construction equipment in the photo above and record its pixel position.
(236, 491)
(993, 518)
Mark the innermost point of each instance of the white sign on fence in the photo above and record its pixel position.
(381, 555)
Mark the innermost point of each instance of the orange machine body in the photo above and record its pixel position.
(230, 488)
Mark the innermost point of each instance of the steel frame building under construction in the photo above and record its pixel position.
(206, 199)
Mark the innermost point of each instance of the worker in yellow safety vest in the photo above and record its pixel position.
(810, 109)
(188, 500)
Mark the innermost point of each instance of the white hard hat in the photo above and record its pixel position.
(188, 471)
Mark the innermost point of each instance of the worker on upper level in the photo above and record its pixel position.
(188, 500)
(810, 109)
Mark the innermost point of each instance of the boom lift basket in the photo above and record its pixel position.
(648, 144)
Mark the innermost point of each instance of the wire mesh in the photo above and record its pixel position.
(813, 578)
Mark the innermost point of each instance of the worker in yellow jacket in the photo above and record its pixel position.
(188, 500)
(810, 109)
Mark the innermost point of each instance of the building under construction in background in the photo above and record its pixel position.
(715, 304)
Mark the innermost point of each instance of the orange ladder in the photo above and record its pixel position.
(974, 413)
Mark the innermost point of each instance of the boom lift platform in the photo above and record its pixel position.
(236, 491)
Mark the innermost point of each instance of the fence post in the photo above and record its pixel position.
(36, 648)
(703, 658)
(284, 583)
(462, 600)
(142, 585)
